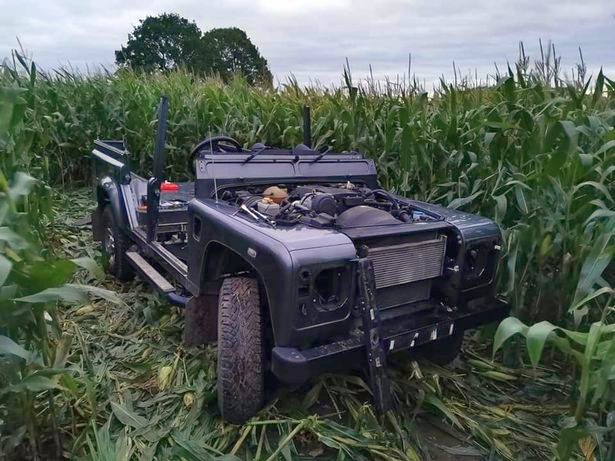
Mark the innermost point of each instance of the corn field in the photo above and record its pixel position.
(533, 152)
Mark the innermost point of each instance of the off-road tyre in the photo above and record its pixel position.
(443, 351)
(241, 355)
(114, 254)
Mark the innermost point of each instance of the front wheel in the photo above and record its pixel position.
(241, 354)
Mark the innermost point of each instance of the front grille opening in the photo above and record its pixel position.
(480, 264)
(330, 288)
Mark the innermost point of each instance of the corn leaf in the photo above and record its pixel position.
(8, 346)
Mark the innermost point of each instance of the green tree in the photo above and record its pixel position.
(169, 41)
(161, 43)
(229, 51)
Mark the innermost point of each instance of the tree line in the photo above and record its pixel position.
(168, 41)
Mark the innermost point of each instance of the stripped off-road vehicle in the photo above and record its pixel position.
(295, 261)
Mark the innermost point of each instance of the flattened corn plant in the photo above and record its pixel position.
(149, 397)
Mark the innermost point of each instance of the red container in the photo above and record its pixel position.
(169, 187)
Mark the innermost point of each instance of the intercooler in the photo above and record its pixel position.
(408, 262)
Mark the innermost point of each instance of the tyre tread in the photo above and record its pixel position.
(240, 350)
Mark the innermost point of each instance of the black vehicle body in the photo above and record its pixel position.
(314, 324)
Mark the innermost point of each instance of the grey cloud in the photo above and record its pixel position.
(311, 39)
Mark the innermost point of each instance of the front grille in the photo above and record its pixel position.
(408, 262)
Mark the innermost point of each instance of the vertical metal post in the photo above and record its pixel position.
(376, 354)
(161, 134)
(153, 184)
(307, 127)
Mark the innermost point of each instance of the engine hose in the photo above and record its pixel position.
(387, 195)
(284, 208)
(250, 201)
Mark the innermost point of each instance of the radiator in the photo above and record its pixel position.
(408, 262)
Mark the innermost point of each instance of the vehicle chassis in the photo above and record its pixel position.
(293, 354)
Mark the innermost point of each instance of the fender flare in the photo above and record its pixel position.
(107, 193)
(212, 278)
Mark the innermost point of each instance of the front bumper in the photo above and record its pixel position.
(295, 366)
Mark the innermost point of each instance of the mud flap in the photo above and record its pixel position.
(97, 225)
(376, 354)
(201, 320)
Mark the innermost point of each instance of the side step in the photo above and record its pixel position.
(150, 274)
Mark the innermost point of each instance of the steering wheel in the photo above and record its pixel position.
(216, 143)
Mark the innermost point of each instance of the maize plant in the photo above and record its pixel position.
(534, 152)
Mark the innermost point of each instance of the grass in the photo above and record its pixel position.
(148, 395)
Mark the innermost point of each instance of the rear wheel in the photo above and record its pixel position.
(443, 351)
(241, 355)
(115, 244)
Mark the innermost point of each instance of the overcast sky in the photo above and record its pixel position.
(312, 38)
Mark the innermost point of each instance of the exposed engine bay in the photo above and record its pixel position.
(339, 205)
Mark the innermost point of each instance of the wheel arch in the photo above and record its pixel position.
(109, 194)
(219, 260)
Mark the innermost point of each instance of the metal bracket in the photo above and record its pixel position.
(376, 354)
(153, 185)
